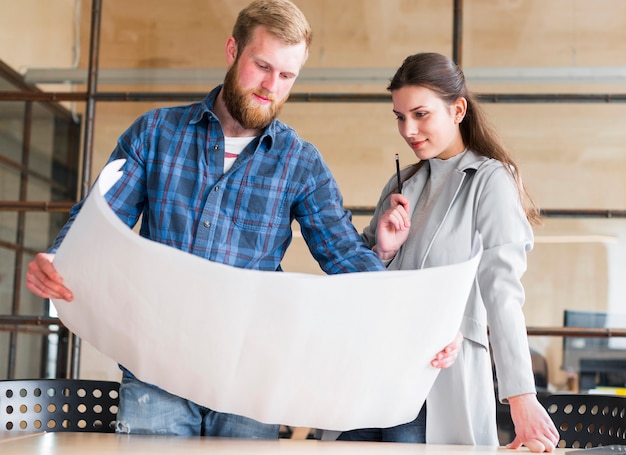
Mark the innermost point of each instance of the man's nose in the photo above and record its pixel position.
(270, 82)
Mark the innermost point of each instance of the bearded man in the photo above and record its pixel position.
(223, 179)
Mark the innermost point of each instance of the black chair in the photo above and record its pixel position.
(587, 420)
(58, 405)
(540, 370)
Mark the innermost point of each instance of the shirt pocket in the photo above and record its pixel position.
(261, 204)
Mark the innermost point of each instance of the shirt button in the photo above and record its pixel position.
(216, 147)
(216, 188)
(207, 224)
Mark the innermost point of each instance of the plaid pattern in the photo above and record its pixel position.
(173, 180)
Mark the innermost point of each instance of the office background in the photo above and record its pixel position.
(552, 73)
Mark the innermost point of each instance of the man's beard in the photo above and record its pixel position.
(241, 107)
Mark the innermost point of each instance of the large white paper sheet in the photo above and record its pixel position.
(336, 352)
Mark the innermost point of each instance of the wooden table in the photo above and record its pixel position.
(6, 435)
(109, 444)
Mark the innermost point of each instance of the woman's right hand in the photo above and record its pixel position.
(393, 227)
(44, 280)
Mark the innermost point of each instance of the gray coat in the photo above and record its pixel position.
(478, 197)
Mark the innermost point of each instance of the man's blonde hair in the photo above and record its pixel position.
(281, 18)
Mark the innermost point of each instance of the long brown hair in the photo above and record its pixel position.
(441, 75)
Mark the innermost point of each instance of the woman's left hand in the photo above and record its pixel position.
(446, 357)
(533, 426)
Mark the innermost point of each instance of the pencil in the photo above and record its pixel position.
(398, 173)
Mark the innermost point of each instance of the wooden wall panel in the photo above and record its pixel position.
(572, 155)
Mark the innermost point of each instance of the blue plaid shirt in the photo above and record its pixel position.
(174, 178)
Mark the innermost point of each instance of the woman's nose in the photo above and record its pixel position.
(408, 129)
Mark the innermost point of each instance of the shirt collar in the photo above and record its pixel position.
(206, 108)
(471, 160)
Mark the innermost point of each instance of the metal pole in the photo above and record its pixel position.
(19, 239)
(457, 33)
(90, 113)
(304, 97)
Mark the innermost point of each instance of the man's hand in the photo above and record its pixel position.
(44, 280)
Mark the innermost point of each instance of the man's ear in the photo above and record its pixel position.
(231, 51)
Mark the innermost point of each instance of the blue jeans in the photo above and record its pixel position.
(414, 431)
(146, 409)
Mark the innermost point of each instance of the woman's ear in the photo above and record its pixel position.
(459, 108)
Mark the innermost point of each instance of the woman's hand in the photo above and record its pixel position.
(446, 357)
(533, 426)
(393, 227)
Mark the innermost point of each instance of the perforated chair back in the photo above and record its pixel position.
(58, 405)
(587, 420)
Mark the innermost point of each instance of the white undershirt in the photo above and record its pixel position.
(234, 146)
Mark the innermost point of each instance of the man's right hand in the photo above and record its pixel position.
(44, 280)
